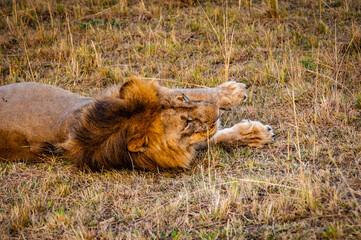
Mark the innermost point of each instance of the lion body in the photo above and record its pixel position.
(138, 125)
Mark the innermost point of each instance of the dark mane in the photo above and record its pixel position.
(102, 131)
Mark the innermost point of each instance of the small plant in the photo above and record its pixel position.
(358, 101)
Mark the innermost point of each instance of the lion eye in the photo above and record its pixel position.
(183, 98)
(187, 123)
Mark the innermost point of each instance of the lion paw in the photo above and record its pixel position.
(253, 133)
(245, 133)
(230, 94)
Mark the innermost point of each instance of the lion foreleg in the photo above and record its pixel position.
(226, 95)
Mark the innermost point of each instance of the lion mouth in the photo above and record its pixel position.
(203, 136)
(209, 133)
(213, 130)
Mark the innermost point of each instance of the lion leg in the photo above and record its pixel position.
(245, 133)
(226, 95)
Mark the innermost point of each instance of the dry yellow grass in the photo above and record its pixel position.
(303, 62)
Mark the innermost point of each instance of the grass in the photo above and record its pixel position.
(302, 60)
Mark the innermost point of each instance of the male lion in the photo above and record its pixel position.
(138, 125)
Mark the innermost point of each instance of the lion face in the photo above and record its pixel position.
(187, 122)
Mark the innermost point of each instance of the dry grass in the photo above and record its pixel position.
(303, 60)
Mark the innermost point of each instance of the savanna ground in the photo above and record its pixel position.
(302, 59)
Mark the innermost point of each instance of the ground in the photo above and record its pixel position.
(302, 60)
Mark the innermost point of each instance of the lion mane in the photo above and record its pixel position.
(123, 129)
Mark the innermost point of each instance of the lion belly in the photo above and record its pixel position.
(31, 116)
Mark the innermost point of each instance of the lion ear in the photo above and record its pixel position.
(137, 144)
(123, 90)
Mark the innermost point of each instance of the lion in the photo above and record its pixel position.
(140, 124)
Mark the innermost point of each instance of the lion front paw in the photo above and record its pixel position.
(230, 94)
(245, 133)
(253, 133)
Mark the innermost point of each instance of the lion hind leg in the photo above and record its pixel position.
(245, 133)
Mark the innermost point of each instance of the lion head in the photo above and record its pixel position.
(139, 125)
